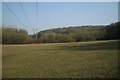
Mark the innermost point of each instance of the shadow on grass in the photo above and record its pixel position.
(110, 45)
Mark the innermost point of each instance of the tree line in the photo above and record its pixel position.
(61, 35)
(14, 36)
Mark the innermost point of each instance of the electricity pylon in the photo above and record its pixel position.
(35, 33)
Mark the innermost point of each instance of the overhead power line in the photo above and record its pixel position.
(36, 13)
(35, 33)
(14, 14)
(25, 13)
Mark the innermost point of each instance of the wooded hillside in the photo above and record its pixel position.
(60, 35)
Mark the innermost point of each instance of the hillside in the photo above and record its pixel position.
(62, 35)
(80, 33)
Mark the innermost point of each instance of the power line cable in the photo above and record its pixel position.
(25, 13)
(36, 20)
(14, 14)
(36, 13)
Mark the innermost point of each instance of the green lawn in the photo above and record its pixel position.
(96, 59)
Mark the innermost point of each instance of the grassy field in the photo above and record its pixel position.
(97, 59)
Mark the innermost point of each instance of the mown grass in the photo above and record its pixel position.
(96, 59)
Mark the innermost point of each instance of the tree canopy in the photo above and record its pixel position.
(60, 35)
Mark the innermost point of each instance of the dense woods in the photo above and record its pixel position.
(12, 35)
(0, 35)
(60, 35)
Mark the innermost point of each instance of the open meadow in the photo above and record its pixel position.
(95, 59)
